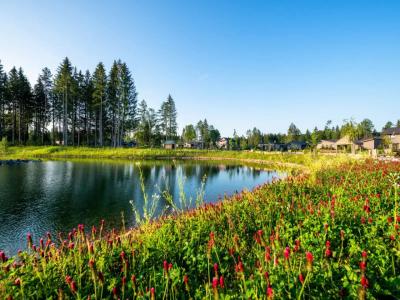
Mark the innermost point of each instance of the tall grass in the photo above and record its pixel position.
(275, 159)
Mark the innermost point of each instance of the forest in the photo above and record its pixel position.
(78, 108)
(99, 109)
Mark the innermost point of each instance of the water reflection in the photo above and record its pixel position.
(57, 195)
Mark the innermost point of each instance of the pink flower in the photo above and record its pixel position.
(215, 283)
(2, 256)
(286, 252)
(222, 282)
(364, 254)
(73, 287)
(270, 292)
(17, 282)
(212, 235)
(29, 239)
(165, 266)
(301, 278)
(328, 252)
(309, 257)
(364, 282)
(91, 248)
(216, 268)
(266, 276)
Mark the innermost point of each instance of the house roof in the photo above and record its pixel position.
(169, 142)
(329, 141)
(346, 141)
(391, 131)
(297, 143)
(370, 139)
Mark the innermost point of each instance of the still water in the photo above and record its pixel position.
(55, 196)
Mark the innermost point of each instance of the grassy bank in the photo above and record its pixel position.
(331, 235)
(288, 160)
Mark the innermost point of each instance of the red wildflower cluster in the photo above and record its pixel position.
(328, 251)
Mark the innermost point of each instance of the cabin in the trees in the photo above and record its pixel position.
(371, 143)
(391, 136)
(296, 146)
(272, 147)
(170, 144)
(327, 145)
(194, 145)
(345, 144)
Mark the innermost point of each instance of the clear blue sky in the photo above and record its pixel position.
(239, 64)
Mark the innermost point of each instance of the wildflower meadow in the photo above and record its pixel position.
(333, 233)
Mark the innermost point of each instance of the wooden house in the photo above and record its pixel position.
(170, 144)
(327, 145)
(345, 144)
(392, 135)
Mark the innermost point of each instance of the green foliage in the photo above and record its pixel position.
(189, 133)
(388, 125)
(293, 133)
(168, 117)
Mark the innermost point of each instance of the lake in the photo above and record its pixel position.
(55, 196)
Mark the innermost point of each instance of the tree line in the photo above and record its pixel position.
(80, 108)
(255, 137)
(101, 109)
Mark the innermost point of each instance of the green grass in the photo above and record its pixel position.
(286, 159)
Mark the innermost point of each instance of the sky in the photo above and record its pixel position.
(240, 64)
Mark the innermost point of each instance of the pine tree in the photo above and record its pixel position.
(3, 101)
(39, 99)
(46, 79)
(167, 118)
(128, 103)
(13, 93)
(113, 102)
(88, 114)
(99, 96)
(63, 89)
